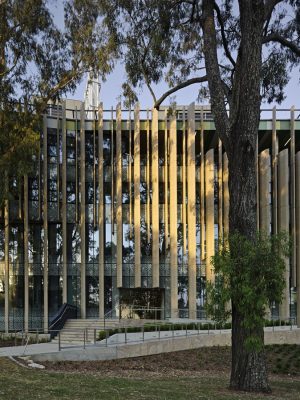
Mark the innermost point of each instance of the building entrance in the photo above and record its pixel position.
(140, 303)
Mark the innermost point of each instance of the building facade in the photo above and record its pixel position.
(126, 207)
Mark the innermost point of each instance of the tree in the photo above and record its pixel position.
(240, 52)
(249, 273)
(38, 63)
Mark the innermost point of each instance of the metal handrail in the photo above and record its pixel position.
(61, 318)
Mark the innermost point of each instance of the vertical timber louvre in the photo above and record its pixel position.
(173, 216)
(191, 211)
(119, 194)
(155, 200)
(101, 211)
(137, 199)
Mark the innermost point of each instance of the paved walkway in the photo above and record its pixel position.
(118, 340)
(31, 349)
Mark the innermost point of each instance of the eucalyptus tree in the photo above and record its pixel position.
(39, 61)
(240, 52)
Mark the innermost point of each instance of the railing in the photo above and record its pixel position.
(128, 334)
(65, 312)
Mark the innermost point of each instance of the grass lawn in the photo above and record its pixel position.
(196, 374)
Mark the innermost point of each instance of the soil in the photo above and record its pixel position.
(283, 360)
(180, 363)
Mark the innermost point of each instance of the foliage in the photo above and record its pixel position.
(174, 50)
(251, 274)
(38, 63)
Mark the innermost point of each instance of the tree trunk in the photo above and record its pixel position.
(248, 370)
(238, 133)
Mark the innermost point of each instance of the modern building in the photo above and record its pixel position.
(125, 208)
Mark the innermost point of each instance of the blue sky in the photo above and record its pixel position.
(111, 89)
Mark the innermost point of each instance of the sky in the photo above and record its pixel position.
(111, 89)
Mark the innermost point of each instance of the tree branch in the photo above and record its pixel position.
(224, 40)
(178, 87)
(215, 83)
(269, 7)
(276, 37)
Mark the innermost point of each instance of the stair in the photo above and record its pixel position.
(76, 331)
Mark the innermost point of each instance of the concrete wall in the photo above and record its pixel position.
(163, 346)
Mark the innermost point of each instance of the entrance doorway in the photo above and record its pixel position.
(138, 303)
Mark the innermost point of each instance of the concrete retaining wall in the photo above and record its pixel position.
(162, 346)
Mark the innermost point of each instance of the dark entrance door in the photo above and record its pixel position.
(142, 303)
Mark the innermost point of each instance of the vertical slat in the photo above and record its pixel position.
(257, 183)
(82, 213)
(166, 186)
(101, 212)
(173, 217)
(119, 194)
(202, 191)
(264, 215)
(297, 243)
(191, 214)
(39, 181)
(57, 161)
(6, 256)
(293, 188)
(264, 190)
(274, 171)
(94, 171)
(26, 264)
(283, 223)
(64, 201)
(130, 177)
(76, 168)
(137, 203)
(155, 200)
(112, 172)
(220, 189)
(45, 221)
(209, 213)
(184, 181)
(148, 178)
(225, 194)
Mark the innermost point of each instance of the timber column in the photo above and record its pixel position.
(293, 194)
(82, 213)
(283, 225)
(173, 217)
(264, 218)
(101, 212)
(225, 194)
(264, 191)
(297, 244)
(6, 257)
(26, 263)
(209, 213)
(45, 220)
(191, 213)
(119, 195)
(155, 200)
(137, 199)
(64, 202)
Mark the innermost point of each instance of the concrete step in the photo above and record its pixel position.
(75, 329)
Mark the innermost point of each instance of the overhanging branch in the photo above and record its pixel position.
(276, 37)
(224, 40)
(269, 7)
(182, 85)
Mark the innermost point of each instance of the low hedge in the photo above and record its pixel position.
(181, 326)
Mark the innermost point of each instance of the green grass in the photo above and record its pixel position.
(18, 383)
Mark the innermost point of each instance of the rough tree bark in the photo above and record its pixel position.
(238, 133)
